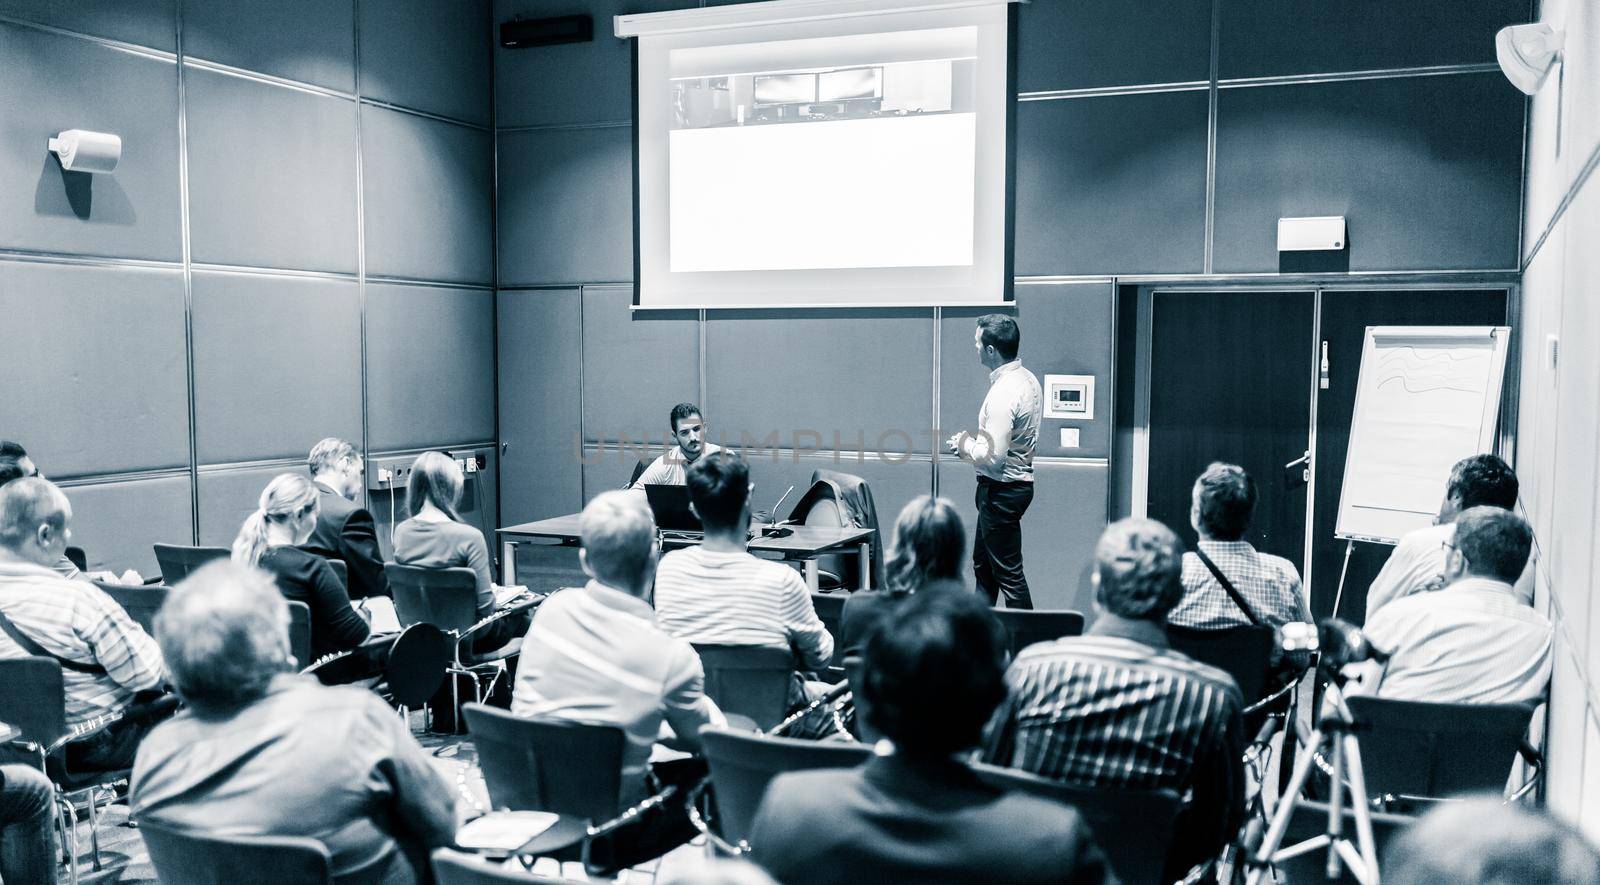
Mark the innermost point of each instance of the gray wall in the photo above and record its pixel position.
(301, 224)
(1152, 138)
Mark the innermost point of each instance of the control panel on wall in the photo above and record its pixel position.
(392, 473)
(1069, 396)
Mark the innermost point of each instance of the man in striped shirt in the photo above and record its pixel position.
(718, 593)
(106, 658)
(1118, 708)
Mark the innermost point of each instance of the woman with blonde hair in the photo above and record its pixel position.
(926, 553)
(436, 537)
(270, 539)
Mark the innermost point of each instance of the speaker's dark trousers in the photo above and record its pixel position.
(997, 544)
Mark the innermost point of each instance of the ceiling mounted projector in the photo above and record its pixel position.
(1527, 53)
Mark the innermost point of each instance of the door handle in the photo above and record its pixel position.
(1297, 472)
(503, 447)
(1302, 461)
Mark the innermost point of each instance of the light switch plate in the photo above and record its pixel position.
(1069, 437)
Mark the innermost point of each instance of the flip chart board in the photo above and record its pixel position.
(1427, 397)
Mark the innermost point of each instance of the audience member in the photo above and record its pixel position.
(1119, 708)
(107, 661)
(27, 826)
(1483, 841)
(15, 464)
(1224, 500)
(269, 538)
(689, 434)
(263, 752)
(436, 537)
(1472, 642)
(1416, 564)
(915, 812)
(717, 593)
(344, 528)
(926, 554)
(595, 654)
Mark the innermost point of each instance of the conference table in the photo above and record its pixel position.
(802, 543)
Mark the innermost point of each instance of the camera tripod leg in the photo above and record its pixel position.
(1362, 809)
(1263, 856)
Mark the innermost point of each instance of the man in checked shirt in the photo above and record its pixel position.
(1118, 708)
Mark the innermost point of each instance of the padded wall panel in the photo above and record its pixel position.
(822, 379)
(1576, 83)
(429, 188)
(540, 353)
(94, 374)
(566, 206)
(636, 366)
(1577, 423)
(116, 523)
(312, 41)
(51, 83)
(150, 23)
(277, 365)
(1266, 37)
(1426, 170)
(1066, 329)
(1059, 530)
(428, 55)
(572, 83)
(229, 495)
(1074, 45)
(272, 175)
(430, 366)
(1115, 184)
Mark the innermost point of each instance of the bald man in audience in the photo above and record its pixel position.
(107, 660)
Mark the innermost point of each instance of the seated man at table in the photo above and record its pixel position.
(689, 435)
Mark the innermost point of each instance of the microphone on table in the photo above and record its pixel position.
(771, 528)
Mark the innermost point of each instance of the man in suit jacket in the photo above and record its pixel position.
(345, 529)
(916, 812)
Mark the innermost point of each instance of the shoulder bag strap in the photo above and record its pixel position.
(34, 648)
(1227, 586)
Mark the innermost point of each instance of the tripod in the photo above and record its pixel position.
(1335, 733)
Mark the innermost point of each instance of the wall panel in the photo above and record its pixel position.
(430, 371)
(229, 495)
(312, 41)
(539, 361)
(1074, 45)
(428, 187)
(52, 82)
(94, 374)
(565, 206)
(151, 23)
(1449, 150)
(861, 376)
(1114, 184)
(116, 523)
(272, 179)
(428, 55)
(277, 365)
(636, 366)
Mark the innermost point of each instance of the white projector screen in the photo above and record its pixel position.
(815, 153)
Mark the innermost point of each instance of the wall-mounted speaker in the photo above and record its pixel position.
(527, 33)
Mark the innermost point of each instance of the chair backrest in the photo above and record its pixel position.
(184, 858)
(1414, 748)
(1025, 627)
(822, 505)
(570, 768)
(742, 764)
(447, 598)
(177, 561)
(1243, 652)
(33, 698)
(456, 868)
(1111, 815)
(856, 498)
(141, 602)
(77, 557)
(1310, 819)
(830, 610)
(417, 663)
(300, 631)
(749, 680)
(639, 469)
(341, 571)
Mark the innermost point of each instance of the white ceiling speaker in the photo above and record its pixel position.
(1527, 53)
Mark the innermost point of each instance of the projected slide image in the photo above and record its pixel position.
(891, 89)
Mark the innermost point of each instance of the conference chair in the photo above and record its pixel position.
(300, 630)
(177, 561)
(743, 763)
(185, 858)
(855, 495)
(1243, 652)
(748, 680)
(841, 499)
(1025, 627)
(830, 610)
(1310, 818)
(342, 571)
(638, 470)
(140, 601)
(1414, 750)
(77, 557)
(33, 701)
(1134, 828)
(452, 867)
(447, 598)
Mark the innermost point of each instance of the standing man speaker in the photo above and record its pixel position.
(1002, 452)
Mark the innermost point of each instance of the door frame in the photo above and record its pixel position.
(1143, 342)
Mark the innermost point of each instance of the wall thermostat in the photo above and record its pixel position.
(1069, 396)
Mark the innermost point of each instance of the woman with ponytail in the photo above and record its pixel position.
(270, 539)
(926, 554)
